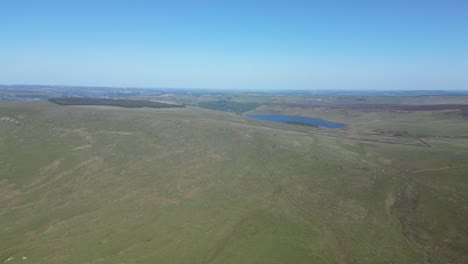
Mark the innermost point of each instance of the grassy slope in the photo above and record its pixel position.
(110, 185)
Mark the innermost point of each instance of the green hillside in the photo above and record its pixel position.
(101, 184)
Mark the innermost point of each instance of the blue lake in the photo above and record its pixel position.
(298, 120)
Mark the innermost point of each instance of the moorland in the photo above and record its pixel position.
(206, 184)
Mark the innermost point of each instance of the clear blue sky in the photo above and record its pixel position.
(397, 44)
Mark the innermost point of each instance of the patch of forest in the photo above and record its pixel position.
(128, 103)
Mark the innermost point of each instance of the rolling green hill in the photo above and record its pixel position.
(101, 184)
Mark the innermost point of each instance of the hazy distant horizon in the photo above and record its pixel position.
(235, 89)
(264, 45)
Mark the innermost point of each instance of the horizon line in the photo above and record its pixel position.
(237, 89)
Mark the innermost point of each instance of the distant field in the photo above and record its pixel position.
(91, 184)
(411, 121)
(128, 103)
(384, 107)
(229, 106)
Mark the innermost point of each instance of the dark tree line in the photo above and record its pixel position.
(129, 103)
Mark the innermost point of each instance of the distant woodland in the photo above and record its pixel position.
(129, 103)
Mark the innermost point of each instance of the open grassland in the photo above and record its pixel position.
(451, 123)
(100, 184)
